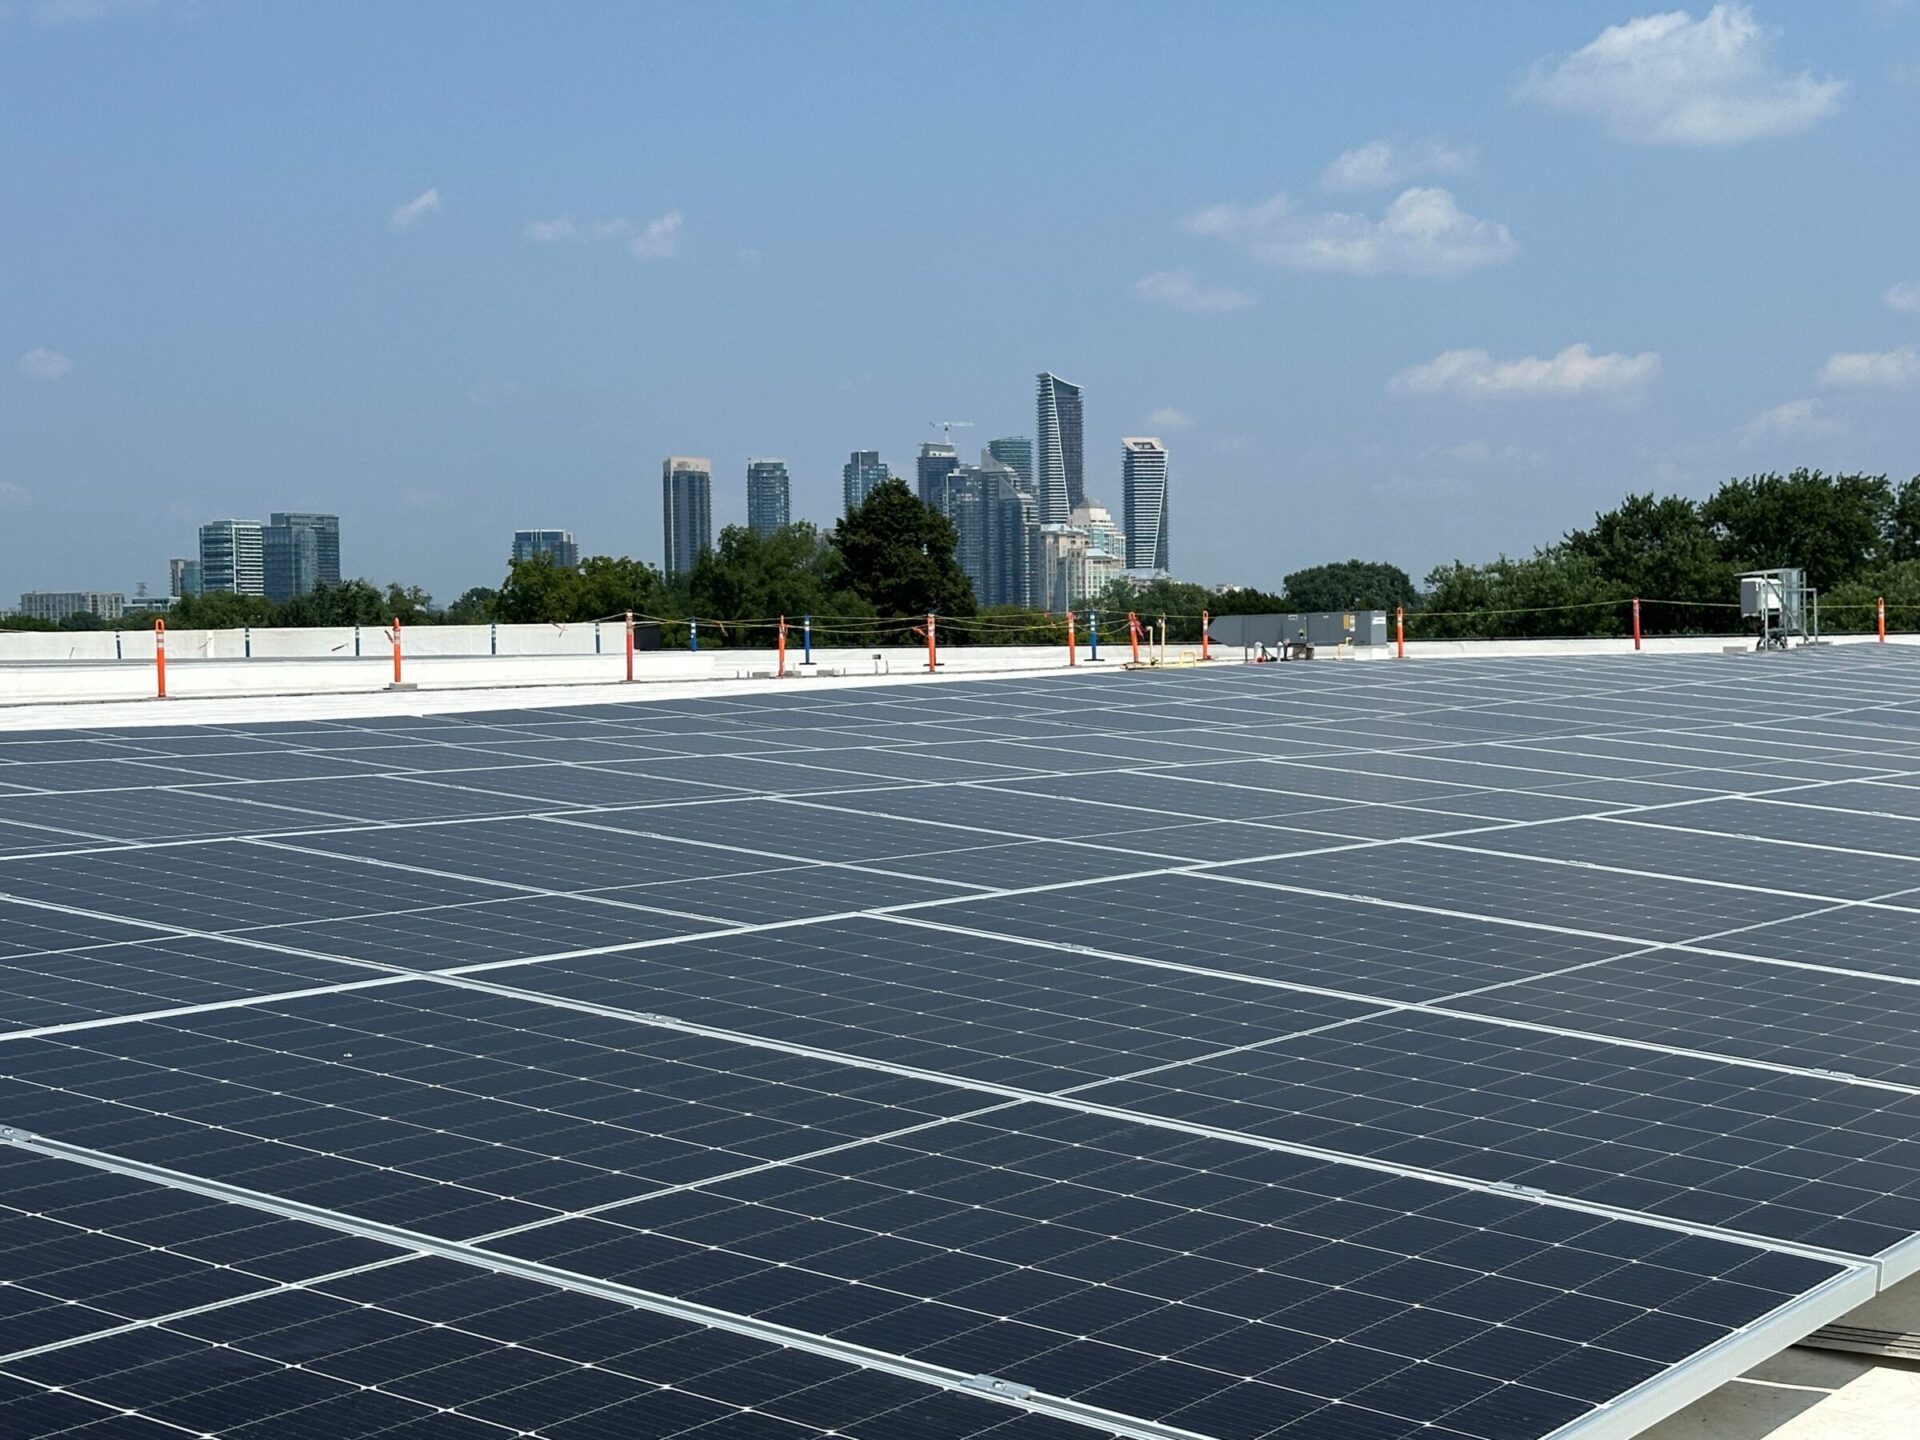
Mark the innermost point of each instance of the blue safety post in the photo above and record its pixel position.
(116, 646)
(806, 636)
(1093, 634)
(693, 632)
(247, 635)
(356, 642)
(596, 637)
(493, 637)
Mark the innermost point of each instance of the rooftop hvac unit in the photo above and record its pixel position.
(1784, 605)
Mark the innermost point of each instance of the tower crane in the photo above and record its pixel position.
(947, 427)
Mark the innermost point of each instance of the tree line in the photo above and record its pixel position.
(891, 560)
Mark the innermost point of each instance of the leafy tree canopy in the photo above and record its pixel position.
(897, 555)
(1350, 585)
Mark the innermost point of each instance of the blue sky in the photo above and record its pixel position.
(1406, 281)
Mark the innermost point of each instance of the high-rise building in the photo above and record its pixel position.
(686, 502)
(558, 546)
(858, 476)
(769, 499)
(54, 606)
(1011, 522)
(326, 542)
(1097, 521)
(1144, 481)
(1059, 567)
(994, 519)
(232, 557)
(937, 461)
(1059, 453)
(183, 577)
(962, 499)
(290, 561)
(1015, 451)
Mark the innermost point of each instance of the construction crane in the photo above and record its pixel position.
(947, 427)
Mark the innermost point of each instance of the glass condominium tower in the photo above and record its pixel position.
(1143, 478)
(863, 470)
(1061, 480)
(769, 502)
(686, 505)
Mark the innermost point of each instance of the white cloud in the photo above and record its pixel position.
(1423, 232)
(12, 494)
(1576, 370)
(1905, 297)
(1480, 452)
(47, 365)
(1872, 370)
(406, 216)
(1168, 418)
(656, 240)
(1382, 164)
(1673, 80)
(80, 12)
(1421, 489)
(1182, 290)
(546, 232)
(1793, 420)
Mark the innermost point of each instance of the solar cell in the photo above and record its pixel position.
(1783, 1014)
(429, 1349)
(452, 1112)
(103, 979)
(1536, 892)
(1186, 1283)
(969, 1006)
(1704, 1141)
(1294, 939)
(1632, 844)
(1262, 1198)
(89, 1251)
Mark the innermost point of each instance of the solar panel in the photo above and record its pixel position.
(1235, 1052)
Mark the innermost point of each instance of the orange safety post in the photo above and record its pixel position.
(1133, 634)
(1072, 658)
(782, 668)
(1636, 622)
(1206, 619)
(629, 647)
(396, 650)
(160, 657)
(1399, 632)
(933, 654)
(1880, 612)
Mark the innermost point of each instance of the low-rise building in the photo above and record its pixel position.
(57, 605)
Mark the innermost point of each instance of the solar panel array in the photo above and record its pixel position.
(1478, 1051)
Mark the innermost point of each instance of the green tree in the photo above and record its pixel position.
(1832, 526)
(1851, 604)
(1350, 585)
(747, 579)
(220, 610)
(537, 591)
(1904, 542)
(1664, 551)
(897, 555)
(1550, 593)
(1180, 601)
(474, 607)
(606, 586)
(352, 602)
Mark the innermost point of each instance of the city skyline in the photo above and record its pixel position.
(1469, 277)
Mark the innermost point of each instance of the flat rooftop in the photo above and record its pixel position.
(1473, 1050)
